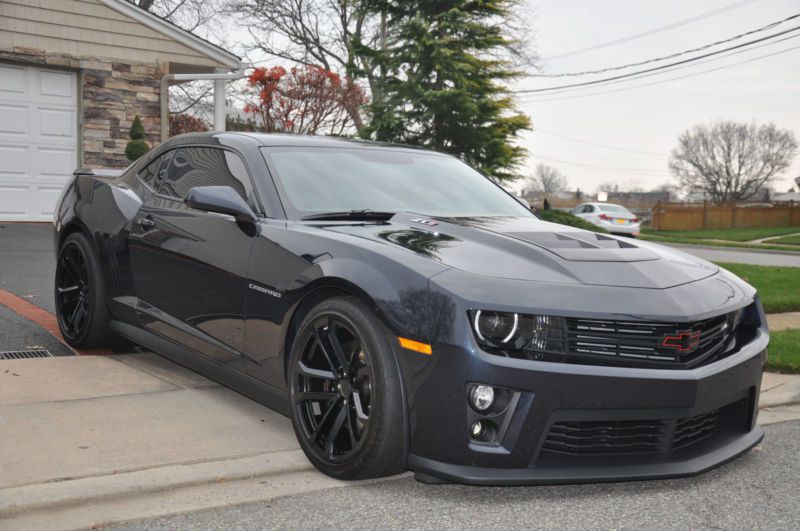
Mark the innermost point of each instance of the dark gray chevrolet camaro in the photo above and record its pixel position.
(407, 313)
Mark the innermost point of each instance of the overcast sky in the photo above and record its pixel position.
(649, 119)
(644, 122)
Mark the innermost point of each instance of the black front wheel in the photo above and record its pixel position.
(80, 294)
(345, 395)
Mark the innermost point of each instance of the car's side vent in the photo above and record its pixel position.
(117, 284)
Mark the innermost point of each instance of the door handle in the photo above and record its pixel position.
(146, 222)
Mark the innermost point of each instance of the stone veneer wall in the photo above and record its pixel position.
(113, 93)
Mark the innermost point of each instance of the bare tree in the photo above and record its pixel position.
(190, 15)
(609, 187)
(548, 180)
(732, 161)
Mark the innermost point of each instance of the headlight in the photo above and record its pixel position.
(543, 334)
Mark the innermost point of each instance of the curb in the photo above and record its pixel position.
(83, 491)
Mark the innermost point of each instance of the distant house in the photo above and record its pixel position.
(73, 74)
(638, 198)
(791, 196)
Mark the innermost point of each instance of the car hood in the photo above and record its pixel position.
(528, 249)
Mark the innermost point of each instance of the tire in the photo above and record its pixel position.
(80, 295)
(364, 401)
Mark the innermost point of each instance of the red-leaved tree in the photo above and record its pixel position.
(186, 123)
(305, 100)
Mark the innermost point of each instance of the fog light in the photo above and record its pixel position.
(476, 429)
(482, 397)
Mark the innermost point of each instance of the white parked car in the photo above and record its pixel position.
(614, 218)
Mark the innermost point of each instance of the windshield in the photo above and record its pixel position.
(613, 208)
(318, 180)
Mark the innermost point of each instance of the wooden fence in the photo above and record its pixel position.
(690, 216)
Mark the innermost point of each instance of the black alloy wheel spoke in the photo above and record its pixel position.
(352, 427)
(317, 374)
(359, 407)
(76, 319)
(320, 428)
(338, 352)
(320, 337)
(68, 289)
(333, 434)
(72, 269)
(316, 396)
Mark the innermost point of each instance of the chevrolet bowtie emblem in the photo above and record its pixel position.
(683, 341)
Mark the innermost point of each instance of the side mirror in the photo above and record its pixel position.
(222, 200)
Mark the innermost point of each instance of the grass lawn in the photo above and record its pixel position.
(784, 351)
(778, 287)
(787, 240)
(735, 235)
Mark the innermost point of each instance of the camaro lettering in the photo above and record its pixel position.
(275, 294)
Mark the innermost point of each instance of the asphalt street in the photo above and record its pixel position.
(739, 256)
(759, 491)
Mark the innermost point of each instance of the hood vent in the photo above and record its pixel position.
(586, 246)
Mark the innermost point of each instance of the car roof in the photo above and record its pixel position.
(288, 140)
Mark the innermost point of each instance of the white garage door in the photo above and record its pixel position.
(38, 139)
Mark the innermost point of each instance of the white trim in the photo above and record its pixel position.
(182, 36)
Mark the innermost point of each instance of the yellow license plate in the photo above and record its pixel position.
(620, 220)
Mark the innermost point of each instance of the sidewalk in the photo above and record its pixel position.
(94, 439)
(99, 439)
(783, 321)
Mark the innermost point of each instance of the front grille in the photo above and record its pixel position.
(597, 438)
(649, 343)
(628, 437)
(690, 431)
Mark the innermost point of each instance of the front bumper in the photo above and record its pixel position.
(552, 392)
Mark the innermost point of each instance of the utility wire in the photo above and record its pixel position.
(671, 56)
(606, 146)
(657, 68)
(661, 72)
(666, 80)
(614, 168)
(655, 30)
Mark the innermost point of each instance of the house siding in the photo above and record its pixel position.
(120, 62)
(88, 28)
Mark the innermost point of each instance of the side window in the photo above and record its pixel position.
(206, 166)
(588, 209)
(153, 174)
(148, 173)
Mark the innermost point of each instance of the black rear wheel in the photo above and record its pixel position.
(345, 392)
(80, 294)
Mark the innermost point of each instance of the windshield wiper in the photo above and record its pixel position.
(365, 214)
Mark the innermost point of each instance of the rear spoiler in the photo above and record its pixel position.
(91, 172)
